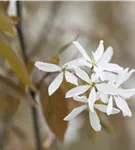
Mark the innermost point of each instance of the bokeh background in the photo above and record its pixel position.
(49, 25)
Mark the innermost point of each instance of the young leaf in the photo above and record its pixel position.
(15, 90)
(6, 24)
(16, 63)
(54, 109)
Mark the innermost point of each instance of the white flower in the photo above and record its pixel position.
(63, 70)
(89, 105)
(90, 83)
(100, 60)
(117, 93)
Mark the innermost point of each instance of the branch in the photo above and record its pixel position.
(23, 49)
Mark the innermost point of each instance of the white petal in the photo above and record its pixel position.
(99, 52)
(108, 76)
(123, 76)
(103, 97)
(71, 78)
(122, 104)
(47, 67)
(76, 62)
(107, 88)
(106, 56)
(126, 93)
(113, 67)
(82, 74)
(11, 10)
(55, 84)
(82, 50)
(92, 99)
(98, 73)
(77, 90)
(86, 63)
(94, 121)
(80, 98)
(75, 112)
(101, 107)
(110, 106)
(98, 95)
(115, 111)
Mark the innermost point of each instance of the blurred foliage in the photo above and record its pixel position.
(14, 89)
(16, 63)
(8, 106)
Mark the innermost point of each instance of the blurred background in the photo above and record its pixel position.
(47, 26)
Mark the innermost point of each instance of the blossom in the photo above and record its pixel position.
(62, 70)
(100, 61)
(102, 81)
(117, 93)
(90, 83)
(93, 117)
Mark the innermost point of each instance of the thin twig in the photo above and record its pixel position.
(23, 48)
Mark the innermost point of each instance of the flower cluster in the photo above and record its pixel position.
(101, 85)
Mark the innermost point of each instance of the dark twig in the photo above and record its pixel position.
(42, 79)
(23, 48)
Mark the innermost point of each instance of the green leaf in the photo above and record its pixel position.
(15, 90)
(66, 46)
(16, 63)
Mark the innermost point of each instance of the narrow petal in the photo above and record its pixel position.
(99, 52)
(115, 111)
(77, 91)
(80, 98)
(122, 104)
(103, 97)
(82, 74)
(126, 93)
(71, 78)
(123, 76)
(110, 106)
(76, 62)
(108, 76)
(94, 121)
(106, 57)
(92, 99)
(47, 67)
(101, 107)
(82, 50)
(113, 67)
(75, 112)
(98, 73)
(55, 84)
(86, 63)
(107, 88)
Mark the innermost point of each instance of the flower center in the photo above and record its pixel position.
(94, 63)
(92, 84)
(63, 68)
